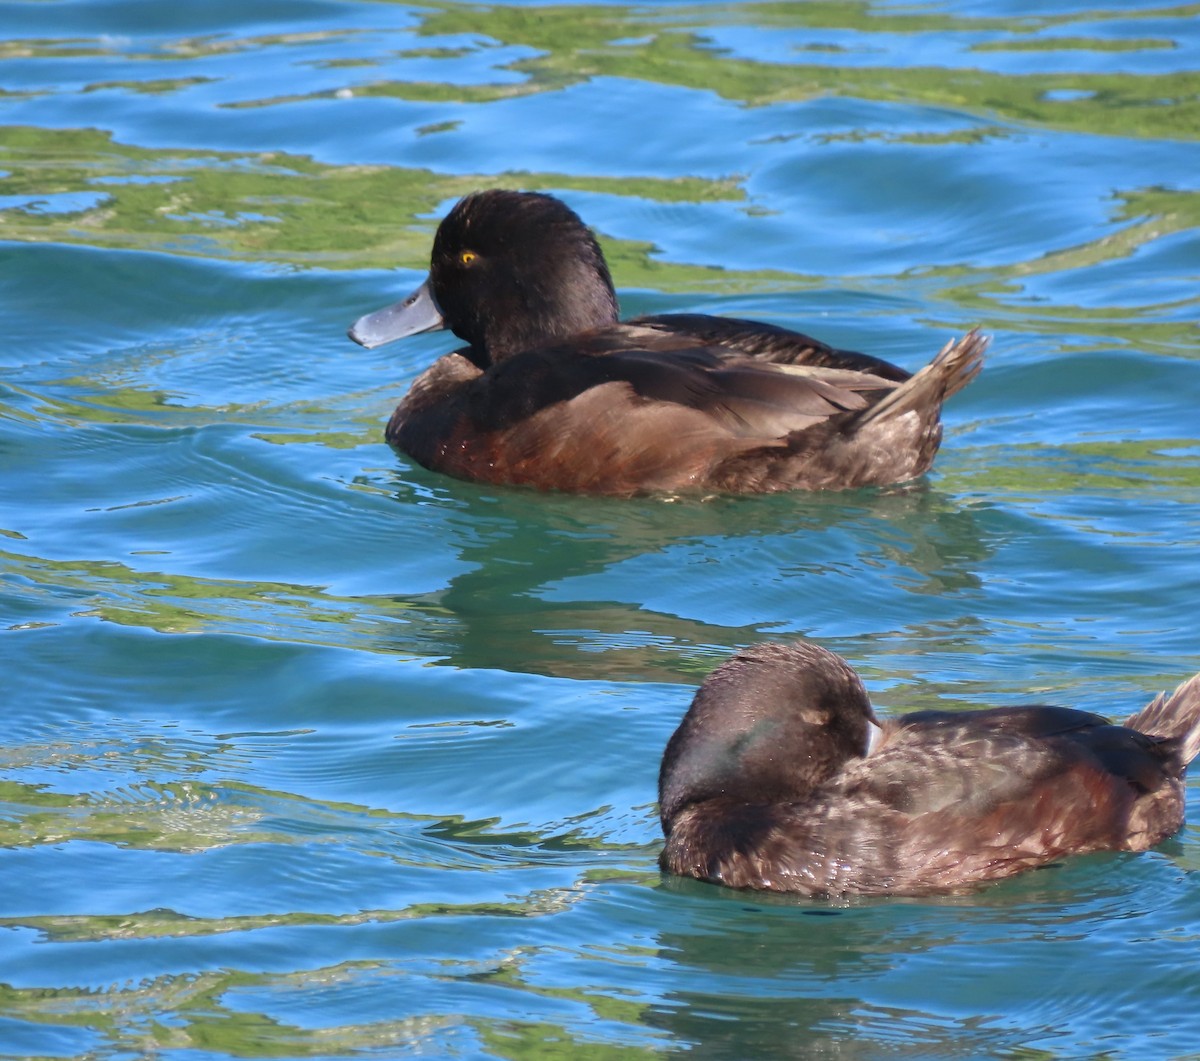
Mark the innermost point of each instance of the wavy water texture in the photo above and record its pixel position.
(310, 752)
(272, 205)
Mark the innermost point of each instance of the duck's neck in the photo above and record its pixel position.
(574, 300)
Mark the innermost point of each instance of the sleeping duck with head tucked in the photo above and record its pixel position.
(781, 778)
(553, 390)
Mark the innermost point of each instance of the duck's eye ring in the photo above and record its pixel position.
(467, 258)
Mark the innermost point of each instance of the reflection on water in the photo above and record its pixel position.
(555, 568)
(312, 753)
(454, 60)
(532, 592)
(852, 979)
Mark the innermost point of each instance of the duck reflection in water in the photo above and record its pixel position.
(554, 391)
(781, 778)
(585, 588)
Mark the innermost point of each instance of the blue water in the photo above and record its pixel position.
(309, 752)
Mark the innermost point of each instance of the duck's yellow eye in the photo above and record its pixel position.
(467, 258)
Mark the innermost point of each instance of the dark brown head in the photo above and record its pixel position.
(510, 271)
(766, 727)
(513, 271)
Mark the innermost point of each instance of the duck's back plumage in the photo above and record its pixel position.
(767, 342)
(639, 407)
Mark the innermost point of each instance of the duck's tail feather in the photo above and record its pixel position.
(1174, 718)
(957, 363)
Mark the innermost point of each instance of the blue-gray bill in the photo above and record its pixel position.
(410, 316)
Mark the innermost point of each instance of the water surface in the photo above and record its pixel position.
(312, 753)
